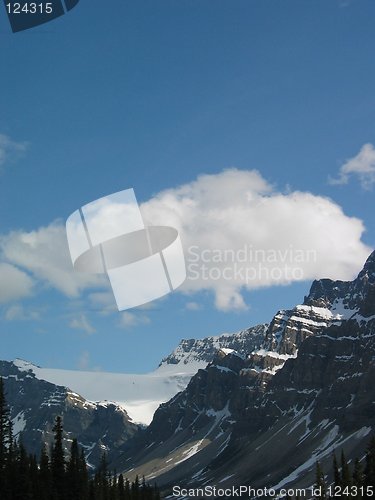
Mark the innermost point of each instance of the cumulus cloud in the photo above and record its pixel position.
(104, 302)
(84, 361)
(192, 306)
(45, 255)
(239, 233)
(362, 166)
(9, 150)
(18, 312)
(128, 319)
(14, 283)
(82, 323)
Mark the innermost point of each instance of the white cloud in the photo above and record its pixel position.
(44, 253)
(193, 306)
(9, 150)
(104, 302)
(17, 312)
(84, 360)
(128, 319)
(14, 283)
(84, 363)
(82, 323)
(223, 214)
(362, 165)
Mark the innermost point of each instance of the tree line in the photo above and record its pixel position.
(352, 482)
(355, 481)
(56, 477)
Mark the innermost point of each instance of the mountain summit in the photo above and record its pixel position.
(34, 404)
(265, 418)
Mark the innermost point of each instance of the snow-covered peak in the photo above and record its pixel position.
(370, 264)
(226, 351)
(24, 366)
(198, 353)
(231, 352)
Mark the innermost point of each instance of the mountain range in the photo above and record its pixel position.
(266, 417)
(259, 407)
(103, 410)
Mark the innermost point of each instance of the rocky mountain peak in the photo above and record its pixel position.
(268, 417)
(364, 288)
(370, 262)
(202, 351)
(367, 275)
(349, 295)
(324, 292)
(34, 403)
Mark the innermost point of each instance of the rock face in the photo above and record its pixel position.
(34, 404)
(99, 427)
(265, 418)
(201, 352)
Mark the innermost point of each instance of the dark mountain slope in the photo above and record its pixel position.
(266, 418)
(35, 403)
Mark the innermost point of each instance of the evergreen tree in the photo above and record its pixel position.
(83, 475)
(320, 482)
(102, 479)
(92, 495)
(358, 477)
(5, 438)
(143, 489)
(345, 472)
(12, 472)
(23, 478)
(121, 488)
(112, 495)
(58, 461)
(336, 472)
(34, 477)
(45, 477)
(370, 464)
(156, 494)
(22, 489)
(358, 473)
(73, 478)
(134, 491)
(127, 490)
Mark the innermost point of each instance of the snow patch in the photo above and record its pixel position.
(24, 366)
(19, 423)
(227, 351)
(322, 451)
(273, 354)
(138, 394)
(190, 451)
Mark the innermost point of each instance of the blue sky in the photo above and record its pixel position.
(151, 95)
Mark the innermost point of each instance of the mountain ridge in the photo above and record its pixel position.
(141, 394)
(38, 395)
(309, 383)
(300, 385)
(34, 405)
